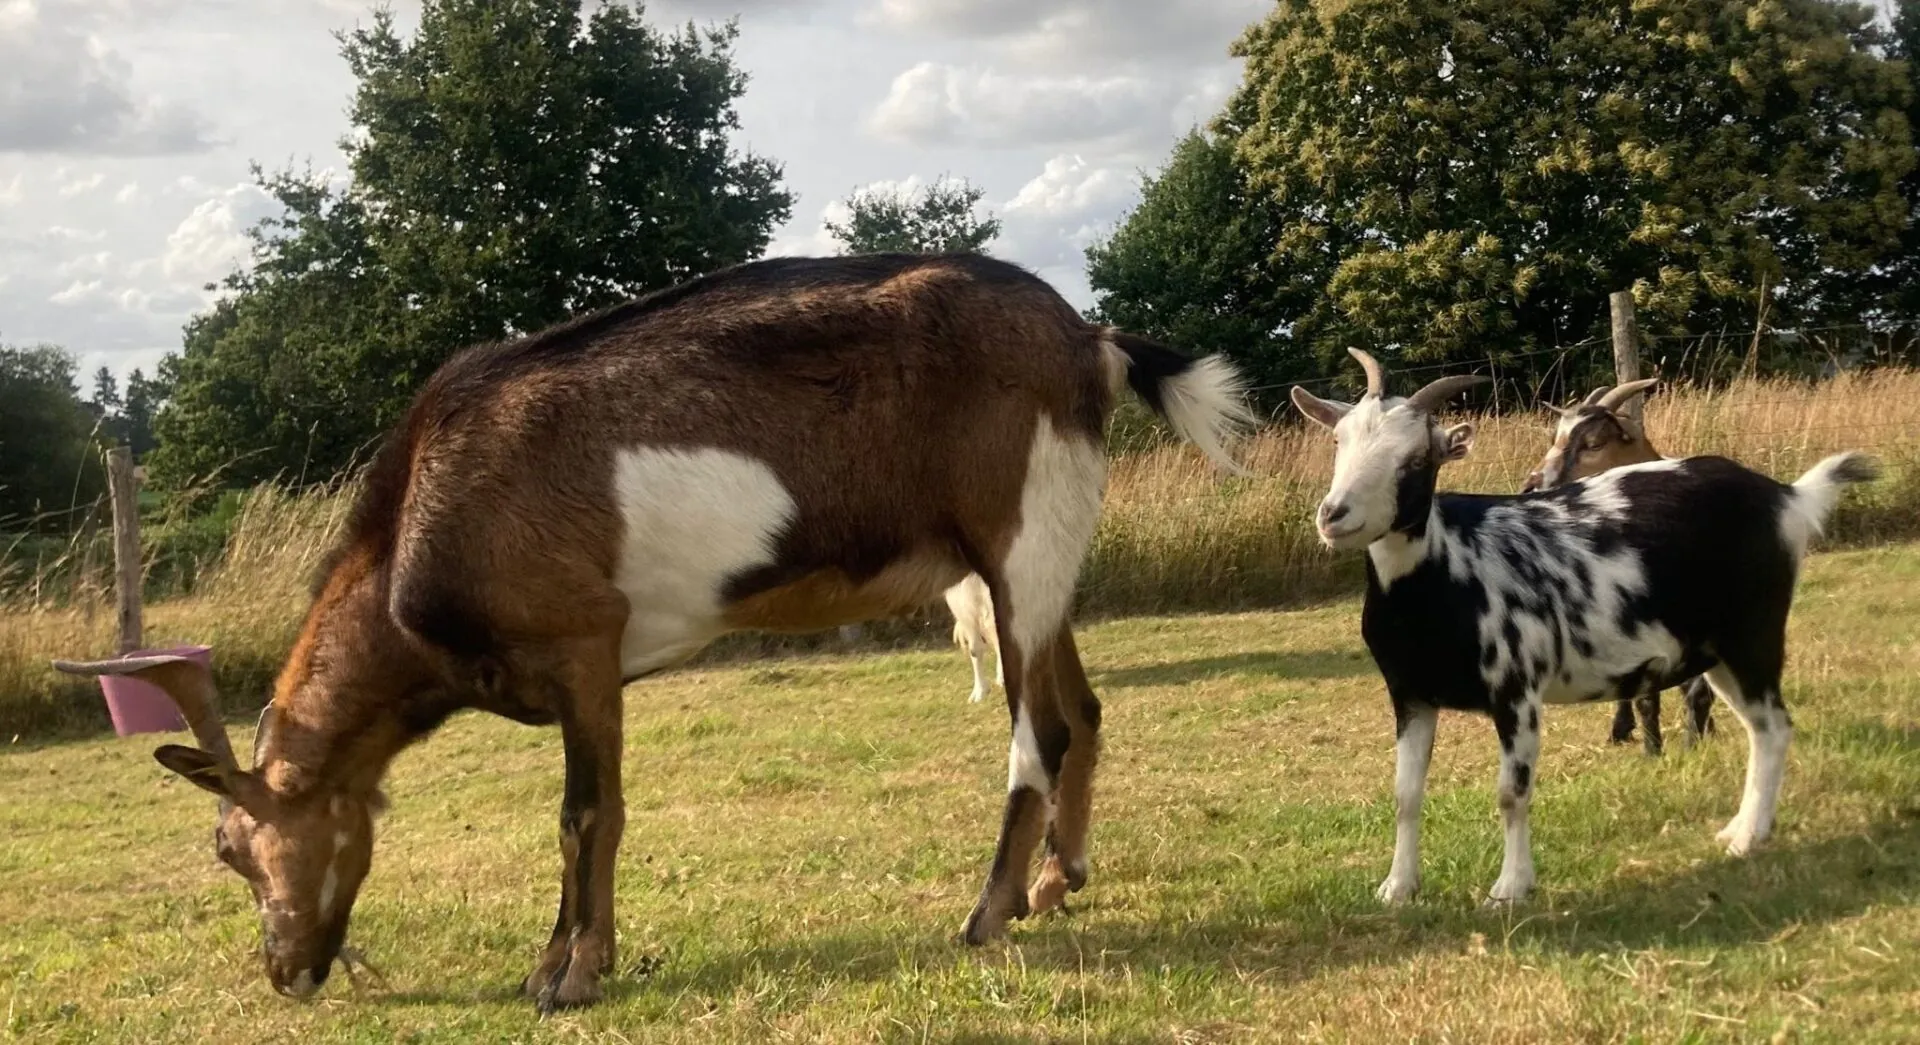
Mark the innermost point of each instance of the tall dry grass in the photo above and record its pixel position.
(1175, 536)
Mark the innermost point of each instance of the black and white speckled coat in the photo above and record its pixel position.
(1604, 589)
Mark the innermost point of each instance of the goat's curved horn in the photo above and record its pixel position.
(1618, 398)
(1436, 394)
(186, 680)
(1593, 398)
(1376, 378)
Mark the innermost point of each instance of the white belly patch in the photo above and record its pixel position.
(693, 518)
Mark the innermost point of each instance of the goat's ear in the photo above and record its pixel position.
(199, 768)
(1324, 412)
(1459, 440)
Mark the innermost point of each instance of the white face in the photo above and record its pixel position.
(1378, 443)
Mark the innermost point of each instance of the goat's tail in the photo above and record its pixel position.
(1816, 492)
(1205, 400)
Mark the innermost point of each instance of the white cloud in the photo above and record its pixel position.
(63, 91)
(1070, 187)
(91, 264)
(1085, 35)
(209, 242)
(15, 190)
(82, 186)
(68, 234)
(936, 104)
(129, 193)
(77, 292)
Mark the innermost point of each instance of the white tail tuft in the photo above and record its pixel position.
(1207, 405)
(1816, 492)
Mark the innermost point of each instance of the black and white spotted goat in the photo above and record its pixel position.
(1597, 590)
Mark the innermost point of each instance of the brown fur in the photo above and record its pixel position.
(896, 400)
(1593, 437)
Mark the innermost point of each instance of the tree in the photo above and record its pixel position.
(1475, 176)
(513, 164)
(1900, 284)
(48, 457)
(1190, 264)
(936, 220)
(106, 391)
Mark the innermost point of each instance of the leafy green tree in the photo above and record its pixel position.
(514, 163)
(1466, 177)
(1900, 284)
(939, 219)
(48, 456)
(1190, 264)
(144, 396)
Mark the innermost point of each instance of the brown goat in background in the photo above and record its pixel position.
(1593, 436)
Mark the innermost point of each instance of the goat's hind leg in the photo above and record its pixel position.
(1064, 868)
(1518, 726)
(1755, 698)
(1646, 707)
(1031, 589)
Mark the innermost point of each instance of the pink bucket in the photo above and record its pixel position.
(138, 706)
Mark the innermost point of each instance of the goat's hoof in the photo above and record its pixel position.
(1397, 891)
(987, 924)
(1739, 838)
(1508, 891)
(565, 992)
(1050, 889)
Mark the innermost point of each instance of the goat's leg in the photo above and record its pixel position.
(592, 819)
(1414, 727)
(1769, 733)
(1647, 707)
(1040, 742)
(1518, 726)
(1622, 722)
(1064, 868)
(977, 655)
(1699, 703)
(1030, 587)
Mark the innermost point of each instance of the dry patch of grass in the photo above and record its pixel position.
(805, 836)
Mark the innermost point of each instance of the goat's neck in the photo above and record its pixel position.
(1402, 550)
(353, 693)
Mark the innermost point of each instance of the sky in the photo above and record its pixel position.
(127, 128)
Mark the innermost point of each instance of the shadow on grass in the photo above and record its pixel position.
(1310, 928)
(1321, 664)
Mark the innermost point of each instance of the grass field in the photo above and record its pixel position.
(805, 836)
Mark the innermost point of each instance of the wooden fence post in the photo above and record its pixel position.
(126, 544)
(1626, 346)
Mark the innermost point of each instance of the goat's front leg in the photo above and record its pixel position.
(592, 817)
(1414, 727)
(1518, 726)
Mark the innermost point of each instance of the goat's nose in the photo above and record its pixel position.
(1331, 513)
(1533, 482)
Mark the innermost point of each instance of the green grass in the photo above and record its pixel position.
(804, 837)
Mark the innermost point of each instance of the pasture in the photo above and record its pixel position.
(805, 835)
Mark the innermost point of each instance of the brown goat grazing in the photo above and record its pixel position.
(1592, 437)
(791, 445)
